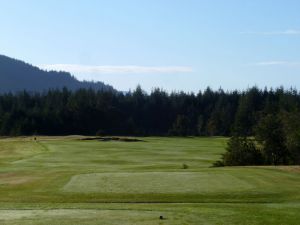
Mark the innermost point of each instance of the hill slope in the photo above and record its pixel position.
(16, 75)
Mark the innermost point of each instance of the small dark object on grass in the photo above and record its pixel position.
(161, 217)
(185, 166)
(218, 163)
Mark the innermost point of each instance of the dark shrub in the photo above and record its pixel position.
(241, 151)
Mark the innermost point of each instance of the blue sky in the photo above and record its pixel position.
(173, 44)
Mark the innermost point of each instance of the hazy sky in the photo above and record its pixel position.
(173, 44)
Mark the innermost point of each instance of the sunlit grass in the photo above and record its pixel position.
(64, 180)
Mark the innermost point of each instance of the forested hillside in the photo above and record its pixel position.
(17, 76)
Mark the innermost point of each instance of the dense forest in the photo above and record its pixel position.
(16, 75)
(90, 112)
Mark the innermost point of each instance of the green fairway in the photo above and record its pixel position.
(65, 180)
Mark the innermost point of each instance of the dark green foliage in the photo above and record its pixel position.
(291, 125)
(181, 126)
(241, 151)
(86, 111)
(277, 142)
(100, 133)
(249, 104)
(270, 135)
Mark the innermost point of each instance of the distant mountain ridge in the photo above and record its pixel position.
(16, 75)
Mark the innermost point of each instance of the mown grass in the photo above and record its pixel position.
(145, 214)
(64, 180)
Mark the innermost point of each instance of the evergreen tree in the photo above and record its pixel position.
(241, 151)
(270, 135)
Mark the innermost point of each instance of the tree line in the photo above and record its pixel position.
(90, 112)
